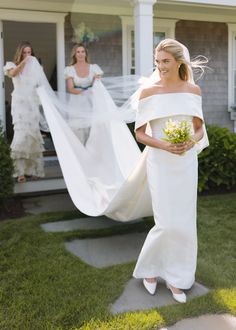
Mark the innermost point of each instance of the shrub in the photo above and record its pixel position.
(217, 163)
(6, 169)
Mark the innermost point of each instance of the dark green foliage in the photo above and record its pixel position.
(217, 163)
(6, 169)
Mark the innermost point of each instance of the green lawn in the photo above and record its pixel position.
(42, 286)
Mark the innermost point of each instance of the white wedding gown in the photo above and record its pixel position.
(170, 249)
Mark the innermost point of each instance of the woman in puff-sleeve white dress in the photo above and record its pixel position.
(80, 76)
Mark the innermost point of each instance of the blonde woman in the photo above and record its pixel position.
(170, 249)
(80, 76)
(27, 143)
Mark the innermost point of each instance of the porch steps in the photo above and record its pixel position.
(52, 182)
(40, 186)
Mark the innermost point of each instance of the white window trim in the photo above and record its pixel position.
(231, 63)
(127, 22)
(231, 66)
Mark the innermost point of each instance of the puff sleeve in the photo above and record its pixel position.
(96, 69)
(68, 72)
(7, 67)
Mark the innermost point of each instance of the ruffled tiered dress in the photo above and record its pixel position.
(27, 144)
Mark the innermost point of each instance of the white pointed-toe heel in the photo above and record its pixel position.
(150, 286)
(180, 297)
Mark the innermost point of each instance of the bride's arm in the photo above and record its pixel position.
(150, 141)
(198, 129)
(198, 133)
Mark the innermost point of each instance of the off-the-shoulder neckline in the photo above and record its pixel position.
(171, 93)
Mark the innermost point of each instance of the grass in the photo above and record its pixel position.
(43, 287)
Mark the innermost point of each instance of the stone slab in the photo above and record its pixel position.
(82, 224)
(206, 322)
(107, 251)
(136, 297)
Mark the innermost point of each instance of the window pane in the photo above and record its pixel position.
(158, 37)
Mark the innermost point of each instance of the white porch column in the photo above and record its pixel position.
(2, 91)
(143, 22)
(60, 56)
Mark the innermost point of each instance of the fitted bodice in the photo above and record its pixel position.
(70, 72)
(157, 125)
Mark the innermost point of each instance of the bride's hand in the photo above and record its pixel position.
(176, 148)
(189, 144)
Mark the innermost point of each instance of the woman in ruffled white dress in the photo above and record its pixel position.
(27, 144)
(170, 249)
(80, 76)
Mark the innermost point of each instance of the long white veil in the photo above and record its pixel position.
(108, 174)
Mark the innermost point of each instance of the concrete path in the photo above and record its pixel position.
(82, 224)
(206, 322)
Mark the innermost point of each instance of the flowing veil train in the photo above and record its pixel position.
(107, 175)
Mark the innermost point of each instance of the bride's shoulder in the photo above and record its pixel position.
(150, 91)
(193, 89)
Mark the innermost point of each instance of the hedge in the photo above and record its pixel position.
(217, 163)
(6, 169)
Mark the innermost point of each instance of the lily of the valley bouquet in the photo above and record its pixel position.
(178, 131)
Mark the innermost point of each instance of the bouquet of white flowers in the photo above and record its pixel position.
(178, 131)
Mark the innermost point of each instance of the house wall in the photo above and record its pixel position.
(107, 51)
(211, 40)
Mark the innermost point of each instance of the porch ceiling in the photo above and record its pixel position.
(127, 3)
(212, 10)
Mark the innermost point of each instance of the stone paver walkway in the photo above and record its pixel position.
(107, 251)
(135, 297)
(82, 224)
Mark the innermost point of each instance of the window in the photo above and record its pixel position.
(157, 37)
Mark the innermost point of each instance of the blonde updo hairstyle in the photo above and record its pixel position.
(181, 55)
(175, 48)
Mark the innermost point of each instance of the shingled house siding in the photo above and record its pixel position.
(107, 51)
(210, 39)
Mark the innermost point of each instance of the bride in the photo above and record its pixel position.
(170, 249)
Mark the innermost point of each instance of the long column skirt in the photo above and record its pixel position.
(170, 249)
